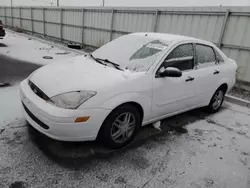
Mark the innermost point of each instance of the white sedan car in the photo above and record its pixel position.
(132, 81)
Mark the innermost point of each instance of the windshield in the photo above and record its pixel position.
(132, 52)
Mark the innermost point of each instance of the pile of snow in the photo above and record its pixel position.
(23, 48)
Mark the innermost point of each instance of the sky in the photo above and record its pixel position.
(128, 2)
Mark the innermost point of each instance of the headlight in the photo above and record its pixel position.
(71, 100)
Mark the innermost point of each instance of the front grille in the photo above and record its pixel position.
(38, 91)
(34, 118)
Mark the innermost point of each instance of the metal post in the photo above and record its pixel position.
(82, 26)
(103, 3)
(57, 3)
(223, 28)
(61, 24)
(12, 22)
(44, 30)
(20, 17)
(5, 16)
(11, 13)
(111, 25)
(156, 20)
(31, 17)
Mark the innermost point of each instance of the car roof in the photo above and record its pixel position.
(171, 37)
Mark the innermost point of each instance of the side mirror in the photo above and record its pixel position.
(171, 72)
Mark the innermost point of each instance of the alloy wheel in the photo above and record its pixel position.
(123, 127)
(217, 99)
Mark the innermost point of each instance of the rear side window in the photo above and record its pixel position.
(182, 57)
(205, 54)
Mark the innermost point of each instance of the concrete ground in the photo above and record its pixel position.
(193, 150)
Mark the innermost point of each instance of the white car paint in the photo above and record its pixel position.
(158, 97)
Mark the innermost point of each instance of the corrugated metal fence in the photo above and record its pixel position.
(227, 27)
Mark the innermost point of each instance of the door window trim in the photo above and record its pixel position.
(218, 59)
(165, 57)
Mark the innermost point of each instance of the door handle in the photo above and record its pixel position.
(189, 79)
(216, 72)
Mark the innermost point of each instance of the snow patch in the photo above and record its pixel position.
(10, 105)
(157, 125)
(31, 50)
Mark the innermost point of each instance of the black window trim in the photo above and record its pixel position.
(194, 53)
(196, 59)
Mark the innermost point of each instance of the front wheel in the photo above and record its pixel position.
(216, 101)
(120, 127)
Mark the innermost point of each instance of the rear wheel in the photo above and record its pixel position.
(121, 126)
(216, 101)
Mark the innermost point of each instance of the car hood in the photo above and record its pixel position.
(79, 73)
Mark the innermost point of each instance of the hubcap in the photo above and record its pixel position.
(123, 127)
(217, 100)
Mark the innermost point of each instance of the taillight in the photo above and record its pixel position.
(1, 24)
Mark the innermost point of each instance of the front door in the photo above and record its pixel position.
(171, 95)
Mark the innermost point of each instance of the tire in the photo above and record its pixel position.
(216, 101)
(117, 126)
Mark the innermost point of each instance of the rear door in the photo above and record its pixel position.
(208, 72)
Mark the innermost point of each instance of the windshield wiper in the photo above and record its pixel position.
(97, 60)
(110, 62)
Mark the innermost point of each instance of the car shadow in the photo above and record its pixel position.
(3, 45)
(79, 155)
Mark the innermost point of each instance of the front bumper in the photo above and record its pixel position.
(58, 123)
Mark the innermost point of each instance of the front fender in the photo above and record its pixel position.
(143, 100)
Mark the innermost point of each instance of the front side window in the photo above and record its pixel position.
(182, 57)
(205, 54)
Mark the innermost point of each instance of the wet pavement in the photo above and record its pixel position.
(13, 71)
(193, 150)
